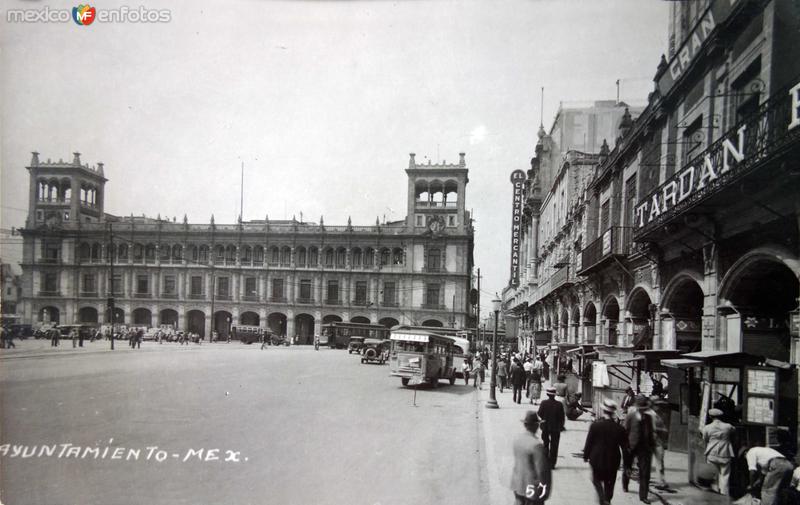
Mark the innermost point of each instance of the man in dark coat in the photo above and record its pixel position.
(551, 412)
(640, 426)
(605, 440)
(517, 380)
(531, 478)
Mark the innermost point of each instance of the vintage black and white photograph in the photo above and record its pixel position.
(400, 252)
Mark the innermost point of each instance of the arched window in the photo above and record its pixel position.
(328, 257)
(397, 256)
(96, 252)
(341, 257)
(150, 252)
(164, 252)
(123, 252)
(385, 256)
(230, 254)
(313, 256)
(203, 254)
(111, 251)
(258, 255)
(369, 257)
(138, 253)
(84, 252)
(356, 257)
(286, 256)
(247, 254)
(274, 256)
(301, 256)
(177, 252)
(219, 254)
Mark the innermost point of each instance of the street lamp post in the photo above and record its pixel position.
(492, 403)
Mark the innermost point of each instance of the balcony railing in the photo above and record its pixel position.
(615, 241)
(250, 298)
(750, 144)
(89, 294)
(333, 301)
(390, 304)
(277, 299)
(226, 296)
(197, 296)
(305, 301)
(435, 306)
(142, 295)
(169, 295)
(49, 293)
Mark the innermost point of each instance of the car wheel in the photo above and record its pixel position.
(362, 361)
(404, 380)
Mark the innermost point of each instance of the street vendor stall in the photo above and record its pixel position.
(758, 397)
(582, 358)
(611, 374)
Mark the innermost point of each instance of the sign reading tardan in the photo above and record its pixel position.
(518, 181)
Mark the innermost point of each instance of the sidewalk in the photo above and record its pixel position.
(571, 481)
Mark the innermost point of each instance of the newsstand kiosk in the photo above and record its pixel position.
(757, 396)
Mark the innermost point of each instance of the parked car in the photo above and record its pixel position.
(375, 349)
(355, 345)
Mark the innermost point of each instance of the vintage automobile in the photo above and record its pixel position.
(375, 349)
(355, 345)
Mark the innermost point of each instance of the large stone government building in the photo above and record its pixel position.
(288, 276)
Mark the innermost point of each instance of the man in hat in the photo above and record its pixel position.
(605, 445)
(662, 437)
(551, 412)
(640, 426)
(770, 470)
(718, 437)
(530, 479)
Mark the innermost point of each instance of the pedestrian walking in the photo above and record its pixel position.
(770, 471)
(316, 342)
(531, 477)
(477, 370)
(627, 402)
(55, 335)
(502, 374)
(561, 390)
(517, 380)
(138, 339)
(74, 336)
(465, 371)
(8, 338)
(640, 426)
(662, 436)
(551, 412)
(718, 437)
(80, 337)
(535, 383)
(605, 445)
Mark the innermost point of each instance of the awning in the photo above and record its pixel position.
(681, 363)
(635, 358)
(573, 351)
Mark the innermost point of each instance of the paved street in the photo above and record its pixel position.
(308, 427)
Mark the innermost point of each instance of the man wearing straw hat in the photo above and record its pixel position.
(605, 444)
(530, 479)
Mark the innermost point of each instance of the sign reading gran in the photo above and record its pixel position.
(518, 181)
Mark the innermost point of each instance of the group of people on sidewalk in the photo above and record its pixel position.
(640, 439)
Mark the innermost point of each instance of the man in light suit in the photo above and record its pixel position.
(531, 478)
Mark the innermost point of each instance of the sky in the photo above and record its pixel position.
(321, 100)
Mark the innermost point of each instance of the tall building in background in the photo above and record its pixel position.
(689, 241)
(286, 275)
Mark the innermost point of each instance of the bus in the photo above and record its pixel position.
(337, 335)
(460, 352)
(423, 356)
(247, 334)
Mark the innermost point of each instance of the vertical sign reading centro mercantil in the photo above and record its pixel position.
(518, 181)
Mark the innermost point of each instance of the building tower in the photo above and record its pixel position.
(436, 194)
(63, 193)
